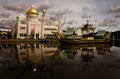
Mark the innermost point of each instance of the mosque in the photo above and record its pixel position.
(32, 27)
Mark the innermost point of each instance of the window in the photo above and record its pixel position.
(50, 29)
(37, 45)
(37, 35)
(22, 27)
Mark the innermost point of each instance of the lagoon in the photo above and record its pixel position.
(53, 61)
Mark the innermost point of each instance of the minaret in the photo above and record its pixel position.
(17, 26)
(13, 28)
(43, 23)
(59, 25)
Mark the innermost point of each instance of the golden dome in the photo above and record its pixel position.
(32, 10)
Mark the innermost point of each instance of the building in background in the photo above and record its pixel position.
(5, 33)
(32, 27)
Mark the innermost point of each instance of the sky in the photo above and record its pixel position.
(103, 14)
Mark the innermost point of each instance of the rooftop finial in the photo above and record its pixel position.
(87, 21)
(17, 17)
(44, 11)
(32, 6)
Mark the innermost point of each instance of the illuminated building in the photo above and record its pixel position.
(32, 27)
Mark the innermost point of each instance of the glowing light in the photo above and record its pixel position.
(35, 69)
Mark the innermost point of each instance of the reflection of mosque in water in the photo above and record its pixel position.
(26, 56)
(36, 54)
(23, 53)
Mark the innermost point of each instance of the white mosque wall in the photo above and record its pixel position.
(32, 27)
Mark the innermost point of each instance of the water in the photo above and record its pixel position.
(51, 61)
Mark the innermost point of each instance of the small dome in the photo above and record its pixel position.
(32, 10)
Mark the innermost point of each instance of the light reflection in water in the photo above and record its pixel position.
(39, 53)
(32, 55)
(37, 57)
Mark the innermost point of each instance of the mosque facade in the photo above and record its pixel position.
(32, 27)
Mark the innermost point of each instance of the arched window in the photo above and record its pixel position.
(37, 35)
(20, 35)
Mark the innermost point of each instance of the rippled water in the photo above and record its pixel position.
(51, 61)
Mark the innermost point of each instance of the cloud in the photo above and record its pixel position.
(85, 14)
(85, 8)
(22, 16)
(113, 9)
(4, 15)
(70, 22)
(5, 23)
(51, 20)
(46, 4)
(17, 7)
(61, 12)
(63, 23)
(117, 16)
(57, 15)
(109, 22)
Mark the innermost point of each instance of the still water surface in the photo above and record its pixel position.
(50, 61)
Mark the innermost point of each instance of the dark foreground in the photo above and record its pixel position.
(39, 61)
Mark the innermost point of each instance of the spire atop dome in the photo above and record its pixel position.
(33, 6)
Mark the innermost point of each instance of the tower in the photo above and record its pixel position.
(43, 22)
(17, 27)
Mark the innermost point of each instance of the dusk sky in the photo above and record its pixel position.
(104, 14)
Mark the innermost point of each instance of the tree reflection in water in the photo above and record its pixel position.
(33, 56)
